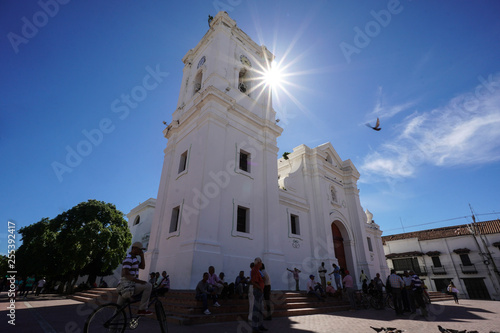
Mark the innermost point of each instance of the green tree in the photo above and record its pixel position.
(3, 265)
(37, 254)
(91, 238)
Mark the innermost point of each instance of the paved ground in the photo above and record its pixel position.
(51, 313)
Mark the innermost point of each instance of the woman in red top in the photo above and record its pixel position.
(258, 290)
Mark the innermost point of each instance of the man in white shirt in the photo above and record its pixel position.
(322, 275)
(314, 288)
(130, 273)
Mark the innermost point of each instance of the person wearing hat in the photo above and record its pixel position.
(152, 278)
(314, 288)
(330, 290)
(130, 276)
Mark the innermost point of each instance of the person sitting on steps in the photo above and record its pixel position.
(204, 291)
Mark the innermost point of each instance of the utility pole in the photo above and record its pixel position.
(476, 229)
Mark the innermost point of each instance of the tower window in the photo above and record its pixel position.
(242, 224)
(369, 241)
(294, 224)
(183, 161)
(197, 82)
(244, 81)
(244, 161)
(137, 219)
(174, 221)
(145, 240)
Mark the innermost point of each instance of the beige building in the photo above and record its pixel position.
(468, 254)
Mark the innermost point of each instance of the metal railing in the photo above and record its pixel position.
(419, 270)
(468, 269)
(438, 270)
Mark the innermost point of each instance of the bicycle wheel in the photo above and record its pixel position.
(162, 317)
(375, 303)
(389, 302)
(106, 318)
(365, 302)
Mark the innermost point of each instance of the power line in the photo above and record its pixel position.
(451, 219)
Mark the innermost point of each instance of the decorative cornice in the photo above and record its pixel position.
(462, 251)
(404, 254)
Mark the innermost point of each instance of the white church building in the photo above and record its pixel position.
(224, 196)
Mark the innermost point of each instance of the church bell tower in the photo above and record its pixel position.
(218, 196)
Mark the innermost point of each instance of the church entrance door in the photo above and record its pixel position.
(338, 245)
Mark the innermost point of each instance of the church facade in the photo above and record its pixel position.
(224, 196)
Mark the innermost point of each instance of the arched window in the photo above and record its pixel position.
(333, 193)
(137, 219)
(244, 81)
(328, 158)
(197, 82)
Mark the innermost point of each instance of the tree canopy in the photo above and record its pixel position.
(91, 238)
(4, 265)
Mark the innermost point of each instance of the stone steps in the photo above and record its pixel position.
(182, 307)
(436, 296)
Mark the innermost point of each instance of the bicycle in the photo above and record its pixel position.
(388, 301)
(362, 300)
(112, 317)
(376, 299)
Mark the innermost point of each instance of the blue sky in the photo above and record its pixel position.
(429, 70)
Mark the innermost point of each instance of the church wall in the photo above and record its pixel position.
(376, 259)
(314, 176)
(216, 123)
(296, 248)
(217, 186)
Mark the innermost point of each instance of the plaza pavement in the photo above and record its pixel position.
(53, 313)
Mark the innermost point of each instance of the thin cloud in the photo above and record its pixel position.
(463, 132)
(382, 111)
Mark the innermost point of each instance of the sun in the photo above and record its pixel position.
(273, 77)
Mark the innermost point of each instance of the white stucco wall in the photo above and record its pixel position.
(451, 261)
(213, 125)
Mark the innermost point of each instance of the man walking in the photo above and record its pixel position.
(40, 285)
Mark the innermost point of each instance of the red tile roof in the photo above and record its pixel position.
(486, 227)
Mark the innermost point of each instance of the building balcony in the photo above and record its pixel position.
(438, 270)
(419, 270)
(468, 269)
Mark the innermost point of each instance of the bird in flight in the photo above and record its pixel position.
(377, 125)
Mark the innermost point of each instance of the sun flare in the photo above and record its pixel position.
(273, 77)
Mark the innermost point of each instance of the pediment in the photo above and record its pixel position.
(330, 155)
